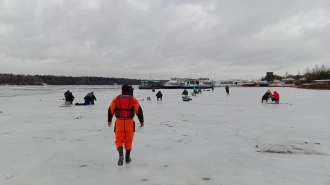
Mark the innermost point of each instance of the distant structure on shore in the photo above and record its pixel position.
(270, 76)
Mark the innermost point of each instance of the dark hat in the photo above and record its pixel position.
(125, 89)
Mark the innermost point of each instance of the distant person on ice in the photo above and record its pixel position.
(124, 107)
(68, 97)
(276, 97)
(131, 89)
(227, 89)
(159, 95)
(266, 96)
(195, 91)
(199, 90)
(185, 92)
(89, 98)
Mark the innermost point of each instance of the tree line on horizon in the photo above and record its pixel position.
(318, 72)
(21, 79)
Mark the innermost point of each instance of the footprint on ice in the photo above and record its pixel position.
(144, 179)
(81, 166)
(206, 178)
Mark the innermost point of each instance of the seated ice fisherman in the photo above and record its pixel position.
(68, 97)
(266, 96)
(159, 95)
(185, 92)
(195, 91)
(89, 98)
(276, 97)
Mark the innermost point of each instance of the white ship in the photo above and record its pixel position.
(188, 83)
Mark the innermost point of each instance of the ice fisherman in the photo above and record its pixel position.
(68, 97)
(199, 90)
(185, 92)
(266, 96)
(276, 97)
(89, 98)
(195, 91)
(159, 95)
(227, 89)
(124, 107)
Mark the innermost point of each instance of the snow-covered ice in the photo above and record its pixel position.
(213, 139)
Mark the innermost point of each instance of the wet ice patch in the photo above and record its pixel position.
(289, 149)
(8, 175)
(278, 151)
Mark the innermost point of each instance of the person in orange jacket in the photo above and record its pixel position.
(124, 107)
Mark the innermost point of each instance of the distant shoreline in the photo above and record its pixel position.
(314, 86)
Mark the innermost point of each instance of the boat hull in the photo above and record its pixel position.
(150, 88)
(171, 87)
(197, 87)
(185, 87)
(249, 85)
(229, 85)
(255, 85)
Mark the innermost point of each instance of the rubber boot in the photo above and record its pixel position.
(127, 156)
(121, 156)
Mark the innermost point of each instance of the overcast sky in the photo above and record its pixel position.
(219, 39)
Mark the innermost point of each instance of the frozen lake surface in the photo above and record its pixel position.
(213, 139)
